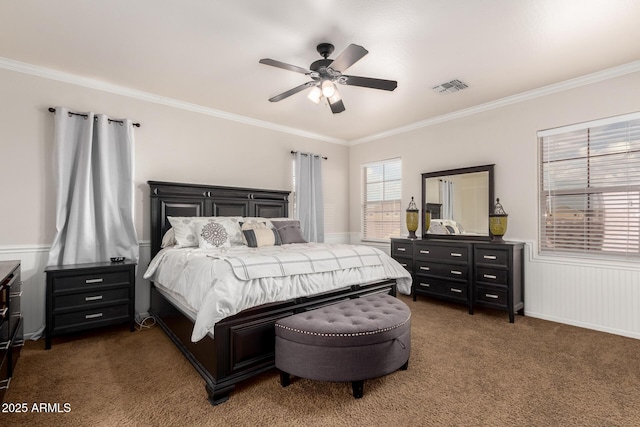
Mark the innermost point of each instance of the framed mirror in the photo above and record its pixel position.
(458, 203)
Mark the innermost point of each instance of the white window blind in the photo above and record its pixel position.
(590, 188)
(381, 198)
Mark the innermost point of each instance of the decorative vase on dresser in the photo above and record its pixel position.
(11, 336)
(475, 273)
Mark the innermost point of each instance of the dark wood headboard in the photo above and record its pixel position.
(178, 199)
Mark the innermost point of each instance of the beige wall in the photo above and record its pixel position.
(504, 136)
(172, 145)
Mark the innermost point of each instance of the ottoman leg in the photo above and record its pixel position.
(285, 379)
(358, 389)
(405, 366)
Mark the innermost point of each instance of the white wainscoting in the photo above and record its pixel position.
(589, 294)
(33, 261)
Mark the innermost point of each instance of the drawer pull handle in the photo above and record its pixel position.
(402, 264)
(99, 280)
(459, 291)
(456, 272)
(456, 254)
(93, 316)
(426, 285)
(490, 257)
(15, 295)
(4, 311)
(424, 251)
(491, 296)
(93, 298)
(401, 249)
(424, 268)
(489, 276)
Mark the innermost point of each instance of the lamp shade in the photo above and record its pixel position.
(328, 88)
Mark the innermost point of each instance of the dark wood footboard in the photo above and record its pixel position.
(244, 344)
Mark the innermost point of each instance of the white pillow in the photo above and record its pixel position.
(218, 232)
(169, 239)
(184, 231)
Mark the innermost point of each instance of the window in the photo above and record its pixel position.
(590, 188)
(381, 198)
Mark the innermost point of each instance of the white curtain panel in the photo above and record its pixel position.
(446, 195)
(309, 199)
(93, 167)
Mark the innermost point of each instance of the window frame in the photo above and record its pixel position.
(396, 203)
(608, 228)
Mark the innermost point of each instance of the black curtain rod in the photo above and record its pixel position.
(53, 110)
(305, 154)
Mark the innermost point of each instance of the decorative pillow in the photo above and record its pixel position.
(217, 232)
(256, 219)
(184, 232)
(168, 239)
(289, 231)
(259, 234)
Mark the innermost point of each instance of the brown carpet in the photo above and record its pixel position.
(464, 370)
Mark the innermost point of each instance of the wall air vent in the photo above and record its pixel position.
(450, 87)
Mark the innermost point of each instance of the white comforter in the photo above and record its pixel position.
(204, 279)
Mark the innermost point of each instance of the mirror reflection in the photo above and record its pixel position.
(458, 201)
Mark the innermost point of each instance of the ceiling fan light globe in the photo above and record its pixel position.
(315, 95)
(328, 88)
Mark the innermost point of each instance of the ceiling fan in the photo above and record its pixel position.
(325, 73)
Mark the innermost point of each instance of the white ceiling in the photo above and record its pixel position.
(206, 52)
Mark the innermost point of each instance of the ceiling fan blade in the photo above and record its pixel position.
(290, 92)
(279, 64)
(352, 54)
(371, 83)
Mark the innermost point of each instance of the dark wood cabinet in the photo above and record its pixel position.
(87, 296)
(483, 274)
(11, 329)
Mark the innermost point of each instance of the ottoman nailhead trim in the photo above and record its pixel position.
(350, 334)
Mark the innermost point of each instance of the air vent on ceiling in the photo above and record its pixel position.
(450, 87)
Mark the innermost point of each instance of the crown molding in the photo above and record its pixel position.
(588, 79)
(47, 73)
(25, 68)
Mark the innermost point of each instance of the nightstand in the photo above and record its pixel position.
(87, 296)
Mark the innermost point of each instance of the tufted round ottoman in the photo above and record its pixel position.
(352, 340)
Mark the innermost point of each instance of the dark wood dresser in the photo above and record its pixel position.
(11, 335)
(87, 296)
(483, 274)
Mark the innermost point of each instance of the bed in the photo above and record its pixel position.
(239, 345)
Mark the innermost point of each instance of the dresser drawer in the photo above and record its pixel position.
(492, 295)
(447, 271)
(428, 285)
(458, 254)
(82, 281)
(401, 249)
(89, 318)
(492, 276)
(406, 263)
(492, 256)
(88, 299)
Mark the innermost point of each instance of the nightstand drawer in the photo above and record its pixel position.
(90, 317)
(492, 295)
(87, 299)
(82, 281)
(492, 276)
